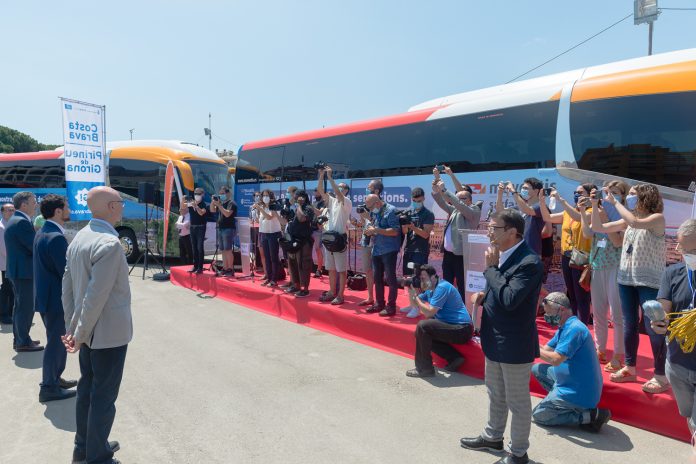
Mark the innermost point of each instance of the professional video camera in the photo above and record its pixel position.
(408, 217)
(361, 209)
(319, 165)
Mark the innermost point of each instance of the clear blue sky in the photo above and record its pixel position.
(271, 67)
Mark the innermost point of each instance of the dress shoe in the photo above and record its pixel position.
(387, 312)
(33, 342)
(480, 443)
(375, 308)
(512, 459)
(79, 457)
(420, 374)
(455, 364)
(66, 383)
(60, 394)
(28, 348)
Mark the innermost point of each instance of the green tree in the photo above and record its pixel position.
(13, 141)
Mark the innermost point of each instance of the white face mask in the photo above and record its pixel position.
(266, 199)
(198, 198)
(690, 261)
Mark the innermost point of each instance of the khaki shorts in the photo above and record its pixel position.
(366, 259)
(335, 261)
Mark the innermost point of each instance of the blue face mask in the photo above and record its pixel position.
(576, 197)
(631, 202)
(416, 204)
(524, 193)
(611, 211)
(554, 320)
(368, 191)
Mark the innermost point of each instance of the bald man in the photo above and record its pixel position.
(96, 301)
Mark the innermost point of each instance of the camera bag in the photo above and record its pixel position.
(335, 242)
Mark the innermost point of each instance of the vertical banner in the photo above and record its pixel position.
(84, 153)
(168, 185)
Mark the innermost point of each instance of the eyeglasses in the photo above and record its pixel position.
(123, 202)
(491, 228)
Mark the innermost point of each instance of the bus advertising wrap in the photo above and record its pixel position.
(84, 153)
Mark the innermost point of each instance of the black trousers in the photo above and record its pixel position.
(23, 311)
(6, 300)
(453, 271)
(101, 372)
(300, 265)
(197, 237)
(436, 336)
(185, 250)
(54, 355)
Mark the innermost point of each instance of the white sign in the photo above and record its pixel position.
(84, 153)
(475, 281)
(479, 238)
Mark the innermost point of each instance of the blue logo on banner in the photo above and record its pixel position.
(77, 199)
(68, 106)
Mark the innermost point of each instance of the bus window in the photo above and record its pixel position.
(125, 174)
(300, 158)
(262, 165)
(209, 176)
(47, 173)
(649, 138)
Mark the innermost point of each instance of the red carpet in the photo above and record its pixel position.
(628, 403)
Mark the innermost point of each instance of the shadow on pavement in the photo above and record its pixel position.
(445, 379)
(31, 360)
(61, 414)
(608, 439)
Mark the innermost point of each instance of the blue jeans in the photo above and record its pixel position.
(197, 237)
(100, 378)
(54, 356)
(553, 410)
(270, 245)
(226, 239)
(631, 300)
(381, 265)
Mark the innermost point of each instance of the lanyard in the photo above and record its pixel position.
(690, 275)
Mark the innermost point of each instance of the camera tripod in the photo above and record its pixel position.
(144, 256)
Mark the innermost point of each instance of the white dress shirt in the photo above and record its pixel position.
(504, 255)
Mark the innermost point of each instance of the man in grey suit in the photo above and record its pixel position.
(19, 243)
(96, 302)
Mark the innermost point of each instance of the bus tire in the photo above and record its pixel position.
(129, 243)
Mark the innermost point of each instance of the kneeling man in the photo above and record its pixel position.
(573, 377)
(447, 322)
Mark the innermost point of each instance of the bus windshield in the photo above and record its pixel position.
(209, 176)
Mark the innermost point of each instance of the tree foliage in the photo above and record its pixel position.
(13, 141)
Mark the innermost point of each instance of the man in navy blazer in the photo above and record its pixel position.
(509, 337)
(50, 247)
(19, 242)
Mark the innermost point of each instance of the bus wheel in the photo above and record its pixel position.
(129, 244)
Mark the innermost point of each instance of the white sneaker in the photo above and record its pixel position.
(414, 313)
(406, 309)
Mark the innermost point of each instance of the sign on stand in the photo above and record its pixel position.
(476, 243)
(245, 246)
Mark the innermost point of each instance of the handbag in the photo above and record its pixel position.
(585, 280)
(579, 259)
(357, 282)
(335, 242)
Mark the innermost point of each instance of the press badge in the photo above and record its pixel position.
(602, 243)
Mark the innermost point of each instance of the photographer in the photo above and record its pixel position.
(317, 253)
(227, 228)
(338, 211)
(385, 231)
(198, 212)
(463, 214)
(447, 322)
(572, 376)
(419, 222)
(374, 187)
(300, 231)
(269, 233)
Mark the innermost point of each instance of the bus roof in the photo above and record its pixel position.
(662, 73)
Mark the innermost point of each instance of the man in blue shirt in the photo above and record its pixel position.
(573, 377)
(386, 233)
(448, 322)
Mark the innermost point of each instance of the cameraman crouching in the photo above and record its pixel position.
(300, 230)
(573, 378)
(420, 221)
(448, 322)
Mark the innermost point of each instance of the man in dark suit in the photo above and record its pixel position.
(50, 247)
(19, 242)
(6, 293)
(508, 335)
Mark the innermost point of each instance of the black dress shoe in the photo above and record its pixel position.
(375, 308)
(512, 459)
(455, 364)
(60, 394)
(28, 348)
(420, 374)
(67, 383)
(79, 457)
(480, 443)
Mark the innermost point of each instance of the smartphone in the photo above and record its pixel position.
(440, 168)
(547, 191)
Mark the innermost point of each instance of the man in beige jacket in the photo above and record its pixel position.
(96, 301)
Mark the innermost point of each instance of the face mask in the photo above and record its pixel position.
(576, 197)
(554, 320)
(524, 193)
(375, 210)
(690, 261)
(266, 199)
(198, 198)
(416, 204)
(631, 202)
(611, 211)
(368, 191)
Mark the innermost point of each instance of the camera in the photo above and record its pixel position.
(440, 168)
(319, 165)
(547, 191)
(287, 214)
(361, 209)
(412, 280)
(405, 218)
(216, 198)
(273, 206)
(322, 219)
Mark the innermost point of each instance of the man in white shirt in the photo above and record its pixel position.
(339, 208)
(6, 292)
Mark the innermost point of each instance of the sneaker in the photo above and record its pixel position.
(480, 443)
(455, 364)
(302, 293)
(405, 309)
(272, 284)
(413, 313)
(318, 274)
(598, 417)
(326, 297)
(375, 308)
(387, 312)
(337, 301)
(291, 290)
(287, 285)
(420, 374)
(265, 283)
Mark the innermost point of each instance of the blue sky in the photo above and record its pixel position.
(271, 67)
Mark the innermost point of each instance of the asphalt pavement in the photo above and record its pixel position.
(207, 381)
